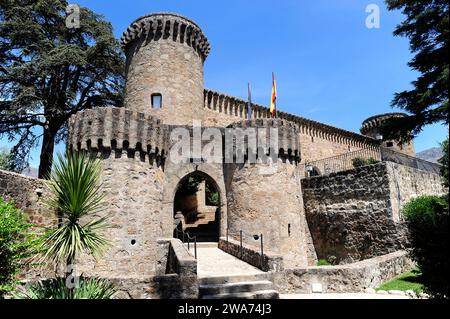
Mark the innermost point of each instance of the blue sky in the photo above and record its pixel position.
(329, 66)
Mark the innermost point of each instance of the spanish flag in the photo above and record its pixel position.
(273, 98)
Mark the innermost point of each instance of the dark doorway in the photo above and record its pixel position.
(197, 207)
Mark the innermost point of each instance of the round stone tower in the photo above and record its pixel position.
(266, 198)
(371, 127)
(165, 55)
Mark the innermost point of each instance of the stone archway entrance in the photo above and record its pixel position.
(196, 205)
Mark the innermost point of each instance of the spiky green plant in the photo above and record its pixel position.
(76, 188)
(57, 288)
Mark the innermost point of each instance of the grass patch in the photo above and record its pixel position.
(411, 280)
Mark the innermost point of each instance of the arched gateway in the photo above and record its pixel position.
(196, 207)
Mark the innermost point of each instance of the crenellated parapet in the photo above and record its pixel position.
(157, 26)
(375, 122)
(373, 127)
(111, 128)
(236, 107)
(285, 133)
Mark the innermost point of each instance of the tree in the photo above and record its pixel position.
(49, 71)
(427, 221)
(427, 27)
(444, 162)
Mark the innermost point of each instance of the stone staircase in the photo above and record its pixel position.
(222, 276)
(204, 232)
(237, 287)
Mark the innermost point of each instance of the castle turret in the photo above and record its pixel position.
(371, 127)
(165, 56)
(266, 198)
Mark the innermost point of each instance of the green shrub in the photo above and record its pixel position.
(427, 220)
(56, 288)
(17, 244)
(331, 260)
(323, 262)
(359, 161)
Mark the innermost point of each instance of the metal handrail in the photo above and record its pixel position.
(344, 161)
(241, 247)
(189, 238)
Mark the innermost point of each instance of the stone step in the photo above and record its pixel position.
(222, 280)
(261, 294)
(236, 287)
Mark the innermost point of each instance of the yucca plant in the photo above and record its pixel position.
(77, 197)
(89, 288)
(76, 194)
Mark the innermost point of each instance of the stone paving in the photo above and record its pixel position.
(211, 261)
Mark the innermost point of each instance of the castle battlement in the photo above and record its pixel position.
(236, 107)
(153, 27)
(117, 128)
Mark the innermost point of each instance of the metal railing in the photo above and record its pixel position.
(338, 163)
(344, 162)
(259, 238)
(187, 238)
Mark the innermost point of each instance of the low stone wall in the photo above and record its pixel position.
(252, 255)
(27, 193)
(354, 215)
(355, 277)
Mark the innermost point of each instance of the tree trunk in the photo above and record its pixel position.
(48, 145)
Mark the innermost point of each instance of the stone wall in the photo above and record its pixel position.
(352, 215)
(355, 277)
(134, 190)
(317, 140)
(28, 194)
(406, 183)
(251, 254)
(175, 276)
(269, 204)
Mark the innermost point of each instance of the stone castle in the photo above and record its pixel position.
(316, 205)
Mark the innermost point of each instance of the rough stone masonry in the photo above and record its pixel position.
(352, 215)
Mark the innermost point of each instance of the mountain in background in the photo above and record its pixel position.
(431, 154)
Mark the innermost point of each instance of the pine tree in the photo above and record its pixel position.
(426, 27)
(50, 70)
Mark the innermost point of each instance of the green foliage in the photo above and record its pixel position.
(17, 245)
(426, 25)
(49, 72)
(331, 260)
(190, 187)
(75, 184)
(411, 280)
(5, 159)
(359, 161)
(444, 162)
(88, 288)
(427, 220)
(323, 262)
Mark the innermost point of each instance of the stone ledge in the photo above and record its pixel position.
(356, 277)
